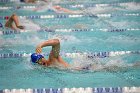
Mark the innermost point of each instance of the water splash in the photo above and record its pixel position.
(21, 40)
(99, 10)
(29, 25)
(131, 5)
(122, 7)
(63, 38)
(123, 39)
(97, 64)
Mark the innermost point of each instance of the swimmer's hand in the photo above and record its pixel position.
(38, 49)
(20, 27)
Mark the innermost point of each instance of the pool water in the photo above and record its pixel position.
(116, 71)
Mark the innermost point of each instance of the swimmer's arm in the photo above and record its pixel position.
(44, 62)
(59, 8)
(30, 1)
(52, 42)
(70, 11)
(60, 60)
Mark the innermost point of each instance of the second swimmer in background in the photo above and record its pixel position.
(45, 4)
(11, 21)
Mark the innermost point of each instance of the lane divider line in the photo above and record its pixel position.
(73, 55)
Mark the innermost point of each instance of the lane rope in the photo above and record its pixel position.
(79, 90)
(9, 32)
(73, 55)
(71, 16)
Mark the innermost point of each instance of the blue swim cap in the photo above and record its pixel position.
(35, 57)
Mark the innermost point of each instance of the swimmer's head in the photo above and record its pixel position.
(36, 57)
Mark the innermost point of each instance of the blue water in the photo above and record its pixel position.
(120, 70)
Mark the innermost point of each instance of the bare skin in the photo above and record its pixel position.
(29, 1)
(11, 20)
(57, 7)
(54, 54)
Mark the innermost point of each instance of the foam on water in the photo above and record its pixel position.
(131, 5)
(123, 39)
(42, 6)
(87, 64)
(103, 9)
(99, 9)
(30, 25)
(63, 38)
(97, 64)
(18, 40)
(123, 24)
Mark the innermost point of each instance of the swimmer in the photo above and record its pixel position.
(13, 19)
(59, 9)
(53, 56)
(45, 4)
(28, 1)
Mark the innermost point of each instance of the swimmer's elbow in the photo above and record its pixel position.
(56, 41)
(52, 42)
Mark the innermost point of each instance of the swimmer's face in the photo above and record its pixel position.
(41, 61)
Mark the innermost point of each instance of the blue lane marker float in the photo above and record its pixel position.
(107, 90)
(9, 32)
(11, 55)
(5, 1)
(74, 55)
(75, 90)
(60, 16)
(118, 30)
(47, 90)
